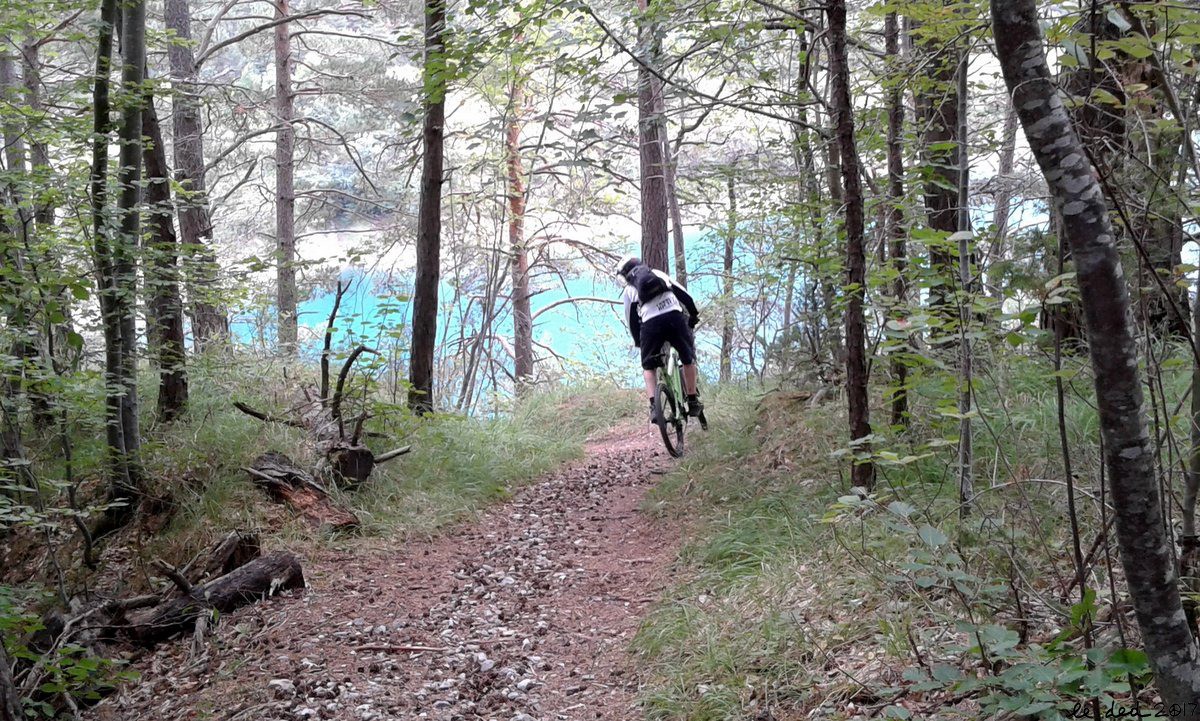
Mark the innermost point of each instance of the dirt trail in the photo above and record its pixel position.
(523, 614)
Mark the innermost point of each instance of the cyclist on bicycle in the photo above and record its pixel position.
(654, 310)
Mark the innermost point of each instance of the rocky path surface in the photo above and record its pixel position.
(524, 614)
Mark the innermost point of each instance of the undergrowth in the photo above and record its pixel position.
(803, 600)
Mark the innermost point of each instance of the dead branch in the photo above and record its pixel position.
(266, 418)
(335, 406)
(173, 574)
(382, 457)
(337, 303)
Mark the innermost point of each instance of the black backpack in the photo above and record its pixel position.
(648, 284)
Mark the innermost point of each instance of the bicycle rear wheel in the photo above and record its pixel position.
(670, 420)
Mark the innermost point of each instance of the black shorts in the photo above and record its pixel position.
(670, 328)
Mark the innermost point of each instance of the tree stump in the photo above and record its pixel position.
(290, 485)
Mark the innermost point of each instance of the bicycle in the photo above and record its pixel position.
(670, 402)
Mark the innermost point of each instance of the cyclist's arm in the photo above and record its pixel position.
(632, 319)
(685, 298)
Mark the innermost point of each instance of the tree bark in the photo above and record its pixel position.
(121, 481)
(939, 106)
(1146, 553)
(655, 248)
(1002, 196)
(285, 186)
(209, 325)
(728, 313)
(164, 305)
(862, 472)
(129, 178)
(14, 288)
(670, 165)
(522, 315)
(429, 216)
(966, 460)
(898, 250)
(10, 702)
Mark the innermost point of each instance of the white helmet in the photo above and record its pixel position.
(627, 263)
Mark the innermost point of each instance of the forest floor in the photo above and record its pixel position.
(524, 613)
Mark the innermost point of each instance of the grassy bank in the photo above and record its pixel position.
(800, 601)
(194, 465)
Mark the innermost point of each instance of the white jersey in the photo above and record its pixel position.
(659, 305)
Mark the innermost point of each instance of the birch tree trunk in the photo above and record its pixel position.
(1144, 544)
(429, 220)
(285, 186)
(862, 473)
(209, 325)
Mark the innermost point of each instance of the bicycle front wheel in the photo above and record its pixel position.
(670, 420)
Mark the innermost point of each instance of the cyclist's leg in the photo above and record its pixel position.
(684, 342)
(651, 343)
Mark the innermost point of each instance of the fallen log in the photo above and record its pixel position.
(234, 551)
(290, 485)
(261, 578)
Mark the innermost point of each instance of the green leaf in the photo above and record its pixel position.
(932, 536)
(946, 673)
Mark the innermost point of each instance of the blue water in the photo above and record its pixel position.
(587, 338)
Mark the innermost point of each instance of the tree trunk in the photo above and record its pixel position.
(670, 166)
(209, 325)
(728, 312)
(966, 479)
(15, 289)
(129, 178)
(939, 106)
(1146, 553)
(522, 316)
(121, 481)
(429, 218)
(39, 154)
(862, 473)
(22, 323)
(55, 350)
(898, 250)
(285, 186)
(1002, 197)
(164, 309)
(655, 248)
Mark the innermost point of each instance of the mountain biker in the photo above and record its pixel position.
(654, 310)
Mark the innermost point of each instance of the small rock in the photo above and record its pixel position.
(282, 688)
(525, 684)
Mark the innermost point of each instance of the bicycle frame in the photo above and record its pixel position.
(671, 373)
